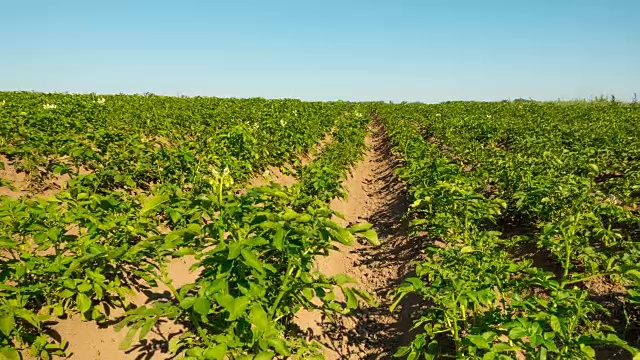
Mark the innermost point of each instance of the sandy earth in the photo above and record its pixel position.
(376, 196)
(22, 186)
(18, 179)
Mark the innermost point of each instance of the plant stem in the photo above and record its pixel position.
(567, 260)
(169, 283)
(283, 290)
(456, 338)
(575, 281)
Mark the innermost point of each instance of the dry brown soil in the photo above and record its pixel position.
(377, 196)
(21, 185)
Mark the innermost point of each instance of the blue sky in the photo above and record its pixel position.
(324, 50)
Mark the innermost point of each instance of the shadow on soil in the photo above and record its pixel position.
(377, 332)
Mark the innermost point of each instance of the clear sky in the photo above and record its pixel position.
(323, 50)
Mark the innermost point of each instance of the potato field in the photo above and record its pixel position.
(155, 227)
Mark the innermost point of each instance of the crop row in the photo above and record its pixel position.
(146, 184)
(130, 142)
(570, 175)
(256, 260)
(484, 297)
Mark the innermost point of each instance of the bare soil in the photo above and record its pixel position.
(377, 196)
(18, 179)
(273, 174)
(21, 184)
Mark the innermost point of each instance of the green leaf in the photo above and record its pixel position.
(175, 216)
(363, 294)
(634, 274)
(144, 330)
(479, 341)
(235, 306)
(187, 302)
(289, 215)
(342, 279)
(542, 353)
(174, 344)
(517, 333)
(352, 300)
(270, 225)
(371, 236)
(258, 317)
(7, 243)
(252, 260)
(234, 250)
(344, 236)
(502, 347)
(83, 301)
(84, 287)
(357, 228)
(7, 324)
(128, 339)
(432, 350)
(278, 239)
(7, 353)
(402, 351)
(467, 249)
(28, 316)
(555, 324)
(202, 306)
(280, 194)
(588, 350)
(216, 353)
(308, 293)
(265, 355)
(280, 346)
(304, 218)
(153, 202)
(69, 284)
(98, 290)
